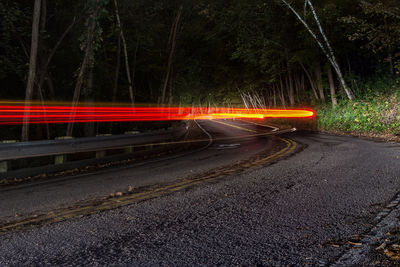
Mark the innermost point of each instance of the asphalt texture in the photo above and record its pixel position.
(38, 197)
(288, 213)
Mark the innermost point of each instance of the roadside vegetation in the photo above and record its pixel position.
(378, 114)
(376, 110)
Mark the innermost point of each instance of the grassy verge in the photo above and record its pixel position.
(376, 117)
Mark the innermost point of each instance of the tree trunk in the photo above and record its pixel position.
(128, 73)
(291, 90)
(391, 64)
(86, 60)
(41, 97)
(302, 85)
(318, 77)
(297, 86)
(32, 67)
(332, 86)
(50, 85)
(328, 51)
(312, 84)
(117, 68)
(41, 54)
(45, 57)
(282, 94)
(134, 66)
(331, 54)
(171, 89)
(290, 81)
(89, 127)
(116, 77)
(171, 55)
(288, 89)
(270, 98)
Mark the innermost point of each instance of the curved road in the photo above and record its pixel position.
(38, 197)
(303, 210)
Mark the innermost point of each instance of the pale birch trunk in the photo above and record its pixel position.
(328, 51)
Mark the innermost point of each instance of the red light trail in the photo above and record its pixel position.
(39, 114)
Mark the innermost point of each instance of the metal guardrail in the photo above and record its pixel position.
(22, 150)
(99, 144)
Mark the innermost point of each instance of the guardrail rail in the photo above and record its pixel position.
(60, 148)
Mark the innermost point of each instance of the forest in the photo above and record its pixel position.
(339, 57)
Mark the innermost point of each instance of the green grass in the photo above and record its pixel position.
(375, 113)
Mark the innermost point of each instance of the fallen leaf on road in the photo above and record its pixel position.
(382, 246)
(394, 255)
(354, 243)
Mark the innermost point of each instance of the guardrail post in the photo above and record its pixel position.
(102, 153)
(129, 149)
(4, 164)
(61, 159)
(60, 148)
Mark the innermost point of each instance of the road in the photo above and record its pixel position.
(39, 197)
(303, 209)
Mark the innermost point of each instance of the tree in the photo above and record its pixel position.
(378, 26)
(128, 72)
(171, 45)
(324, 45)
(89, 41)
(32, 67)
(332, 86)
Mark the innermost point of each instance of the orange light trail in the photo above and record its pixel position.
(13, 114)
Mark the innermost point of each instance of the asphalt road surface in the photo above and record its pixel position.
(301, 210)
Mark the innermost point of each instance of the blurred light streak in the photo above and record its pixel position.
(14, 113)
